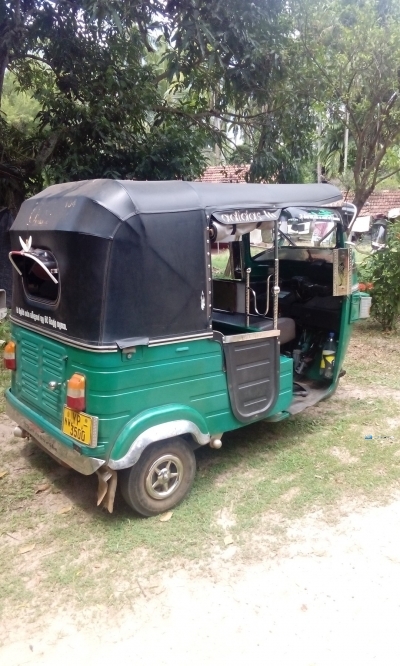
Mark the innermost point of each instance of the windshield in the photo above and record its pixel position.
(298, 227)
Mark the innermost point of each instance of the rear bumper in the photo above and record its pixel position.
(49, 437)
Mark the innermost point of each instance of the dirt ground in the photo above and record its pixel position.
(334, 599)
(331, 595)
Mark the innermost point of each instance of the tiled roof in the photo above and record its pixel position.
(231, 173)
(380, 202)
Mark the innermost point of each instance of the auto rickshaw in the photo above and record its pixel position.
(134, 342)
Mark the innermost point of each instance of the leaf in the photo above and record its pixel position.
(228, 540)
(3, 473)
(26, 549)
(42, 487)
(65, 509)
(166, 516)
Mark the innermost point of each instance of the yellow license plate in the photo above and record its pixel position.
(79, 426)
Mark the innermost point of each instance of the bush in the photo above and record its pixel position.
(382, 269)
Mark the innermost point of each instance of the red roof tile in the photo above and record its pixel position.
(231, 173)
(380, 202)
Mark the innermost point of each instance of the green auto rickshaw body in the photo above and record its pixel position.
(115, 282)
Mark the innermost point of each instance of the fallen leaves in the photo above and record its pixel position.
(228, 540)
(3, 473)
(42, 487)
(64, 509)
(166, 516)
(26, 549)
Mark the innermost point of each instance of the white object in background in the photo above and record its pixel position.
(255, 237)
(365, 306)
(362, 224)
(3, 307)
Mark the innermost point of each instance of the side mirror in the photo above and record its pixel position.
(379, 235)
(349, 214)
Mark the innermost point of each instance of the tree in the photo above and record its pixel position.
(132, 88)
(351, 51)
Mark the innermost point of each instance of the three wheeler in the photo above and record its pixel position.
(134, 341)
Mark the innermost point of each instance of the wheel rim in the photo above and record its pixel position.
(164, 476)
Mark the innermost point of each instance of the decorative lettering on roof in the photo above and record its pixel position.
(245, 216)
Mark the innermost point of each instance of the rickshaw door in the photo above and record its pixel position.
(252, 368)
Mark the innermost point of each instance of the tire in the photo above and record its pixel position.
(147, 487)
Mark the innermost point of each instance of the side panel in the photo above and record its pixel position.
(285, 385)
(157, 384)
(119, 388)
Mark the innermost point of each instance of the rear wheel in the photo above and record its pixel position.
(161, 478)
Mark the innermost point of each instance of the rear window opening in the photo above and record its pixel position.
(39, 271)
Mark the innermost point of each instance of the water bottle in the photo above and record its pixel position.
(328, 357)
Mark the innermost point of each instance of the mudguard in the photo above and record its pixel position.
(154, 425)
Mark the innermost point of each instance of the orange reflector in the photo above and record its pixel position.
(9, 355)
(76, 398)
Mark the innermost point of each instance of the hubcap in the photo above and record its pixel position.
(164, 476)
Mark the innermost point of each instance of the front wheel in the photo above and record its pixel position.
(161, 478)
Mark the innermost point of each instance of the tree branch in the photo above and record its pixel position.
(17, 11)
(31, 56)
(145, 37)
(46, 150)
(389, 175)
(7, 171)
(210, 113)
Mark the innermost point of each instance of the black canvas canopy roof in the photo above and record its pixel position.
(64, 206)
(131, 256)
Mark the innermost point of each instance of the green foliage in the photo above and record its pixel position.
(351, 54)
(137, 89)
(18, 106)
(383, 270)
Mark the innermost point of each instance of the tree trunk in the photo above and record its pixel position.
(361, 196)
(3, 66)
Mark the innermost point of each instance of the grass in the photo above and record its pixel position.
(263, 477)
(219, 261)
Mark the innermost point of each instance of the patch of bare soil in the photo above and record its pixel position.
(346, 391)
(343, 455)
(330, 596)
(6, 430)
(290, 494)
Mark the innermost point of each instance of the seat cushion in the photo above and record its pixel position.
(286, 325)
